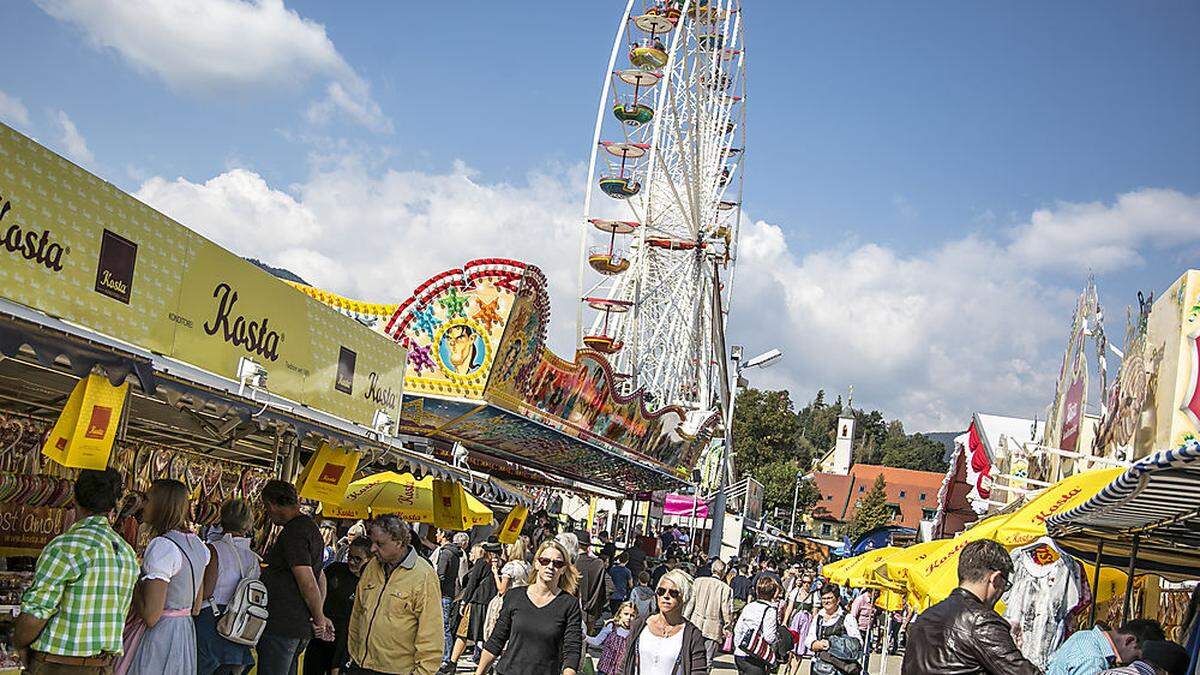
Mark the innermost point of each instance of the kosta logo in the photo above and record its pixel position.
(383, 396)
(32, 245)
(253, 336)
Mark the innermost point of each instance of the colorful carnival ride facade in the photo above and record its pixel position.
(479, 374)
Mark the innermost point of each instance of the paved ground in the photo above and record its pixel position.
(725, 665)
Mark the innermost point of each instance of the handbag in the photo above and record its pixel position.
(755, 645)
(836, 664)
(464, 624)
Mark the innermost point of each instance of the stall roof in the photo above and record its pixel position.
(1157, 499)
(50, 339)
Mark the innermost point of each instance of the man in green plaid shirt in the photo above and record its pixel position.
(73, 615)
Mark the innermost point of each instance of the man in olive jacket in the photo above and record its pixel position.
(396, 623)
(712, 609)
(963, 634)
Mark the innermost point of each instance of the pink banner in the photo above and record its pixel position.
(681, 505)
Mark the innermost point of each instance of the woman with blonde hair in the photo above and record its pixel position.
(171, 588)
(514, 568)
(665, 643)
(540, 628)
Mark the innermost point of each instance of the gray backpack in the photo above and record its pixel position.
(244, 618)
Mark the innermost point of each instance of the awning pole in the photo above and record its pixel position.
(1125, 606)
(1096, 584)
(887, 644)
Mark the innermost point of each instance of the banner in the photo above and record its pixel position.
(513, 524)
(76, 247)
(448, 506)
(327, 474)
(82, 438)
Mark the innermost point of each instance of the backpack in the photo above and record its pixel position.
(245, 616)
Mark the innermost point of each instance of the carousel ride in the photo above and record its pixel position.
(662, 209)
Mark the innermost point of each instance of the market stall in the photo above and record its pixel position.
(130, 342)
(1146, 520)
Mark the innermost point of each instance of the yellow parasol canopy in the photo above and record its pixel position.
(404, 495)
(934, 578)
(858, 572)
(894, 570)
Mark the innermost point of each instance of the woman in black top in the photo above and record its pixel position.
(479, 587)
(540, 629)
(341, 579)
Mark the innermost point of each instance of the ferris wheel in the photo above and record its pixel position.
(663, 203)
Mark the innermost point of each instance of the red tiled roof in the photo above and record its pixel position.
(839, 493)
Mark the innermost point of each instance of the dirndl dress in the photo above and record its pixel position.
(612, 657)
(801, 620)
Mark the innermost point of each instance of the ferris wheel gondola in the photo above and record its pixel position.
(670, 126)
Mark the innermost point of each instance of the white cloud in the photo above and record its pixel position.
(70, 141)
(928, 337)
(377, 235)
(214, 46)
(13, 111)
(1104, 237)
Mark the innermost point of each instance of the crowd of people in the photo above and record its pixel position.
(381, 599)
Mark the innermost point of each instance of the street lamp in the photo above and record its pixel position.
(764, 360)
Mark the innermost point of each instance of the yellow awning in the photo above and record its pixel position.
(401, 494)
(934, 578)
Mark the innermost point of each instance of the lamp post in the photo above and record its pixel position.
(766, 359)
(795, 498)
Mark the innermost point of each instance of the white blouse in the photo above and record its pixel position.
(235, 561)
(163, 560)
(753, 616)
(657, 655)
(820, 619)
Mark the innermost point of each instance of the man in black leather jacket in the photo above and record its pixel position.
(963, 634)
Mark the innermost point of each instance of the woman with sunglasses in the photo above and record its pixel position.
(665, 643)
(540, 628)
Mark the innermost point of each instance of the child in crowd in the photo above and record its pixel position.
(642, 596)
(611, 639)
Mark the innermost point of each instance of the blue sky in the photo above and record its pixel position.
(899, 157)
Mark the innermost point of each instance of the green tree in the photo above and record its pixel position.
(764, 428)
(912, 451)
(873, 510)
(766, 446)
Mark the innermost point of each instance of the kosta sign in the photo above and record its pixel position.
(252, 335)
(31, 245)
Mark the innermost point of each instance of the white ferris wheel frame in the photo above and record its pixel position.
(665, 349)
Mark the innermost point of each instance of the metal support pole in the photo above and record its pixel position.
(887, 644)
(692, 522)
(1127, 604)
(1096, 583)
(795, 499)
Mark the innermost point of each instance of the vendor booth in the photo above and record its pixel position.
(129, 341)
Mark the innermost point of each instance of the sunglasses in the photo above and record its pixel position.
(556, 564)
(664, 592)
